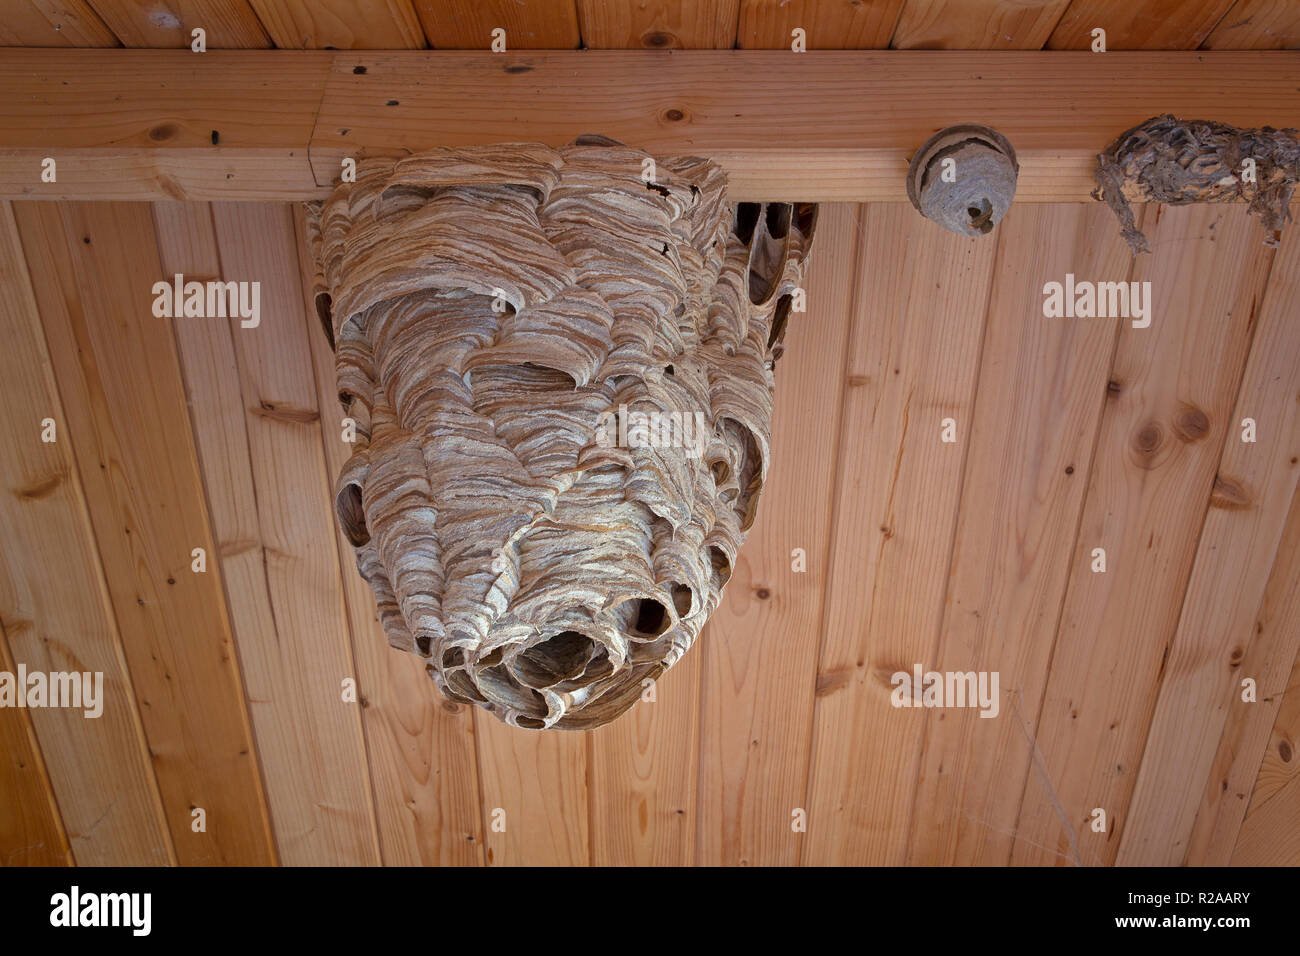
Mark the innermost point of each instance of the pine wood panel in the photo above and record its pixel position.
(788, 126)
(643, 770)
(340, 24)
(31, 831)
(1138, 24)
(827, 24)
(151, 136)
(54, 603)
(913, 357)
(1257, 25)
(1243, 527)
(120, 381)
(229, 24)
(977, 24)
(659, 24)
(423, 758)
(535, 798)
(529, 24)
(264, 472)
(1269, 837)
(1280, 766)
(1250, 730)
(759, 650)
(1167, 411)
(53, 23)
(1041, 386)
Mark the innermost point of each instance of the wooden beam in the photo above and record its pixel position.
(823, 125)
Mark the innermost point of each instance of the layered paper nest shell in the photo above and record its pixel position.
(529, 340)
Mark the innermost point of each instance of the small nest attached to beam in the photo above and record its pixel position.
(560, 366)
(1175, 161)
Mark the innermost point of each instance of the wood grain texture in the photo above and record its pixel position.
(643, 770)
(1257, 25)
(759, 649)
(265, 477)
(53, 23)
(1269, 836)
(340, 24)
(1260, 732)
(827, 24)
(1138, 24)
(423, 758)
(659, 24)
(790, 126)
(1022, 492)
(534, 795)
(31, 831)
(1167, 408)
(912, 361)
(54, 604)
(1252, 493)
(529, 24)
(151, 136)
(120, 381)
(977, 24)
(229, 24)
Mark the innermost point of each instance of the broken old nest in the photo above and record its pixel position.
(1175, 161)
(490, 309)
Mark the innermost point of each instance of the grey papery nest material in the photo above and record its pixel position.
(1175, 161)
(494, 311)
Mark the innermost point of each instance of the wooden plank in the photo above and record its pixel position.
(795, 127)
(1138, 24)
(535, 799)
(977, 24)
(827, 24)
(31, 832)
(1243, 526)
(423, 760)
(1257, 25)
(1257, 740)
(643, 770)
(1280, 766)
(118, 374)
(341, 24)
(659, 24)
(229, 24)
(529, 24)
(913, 357)
(119, 128)
(828, 125)
(1042, 382)
(53, 23)
(1167, 411)
(759, 650)
(270, 496)
(54, 604)
(1269, 836)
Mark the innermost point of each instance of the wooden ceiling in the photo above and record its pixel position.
(656, 24)
(1120, 690)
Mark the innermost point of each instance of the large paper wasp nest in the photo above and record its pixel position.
(560, 366)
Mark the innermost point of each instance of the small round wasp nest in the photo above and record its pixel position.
(560, 363)
(964, 178)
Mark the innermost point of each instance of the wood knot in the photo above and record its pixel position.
(1284, 751)
(515, 68)
(674, 115)
(763, 594)
(658, 40)
(1229, 493)
(451, 707)
(1146, 442)
(1234, 660)
(163, 132)
(1191, 424)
